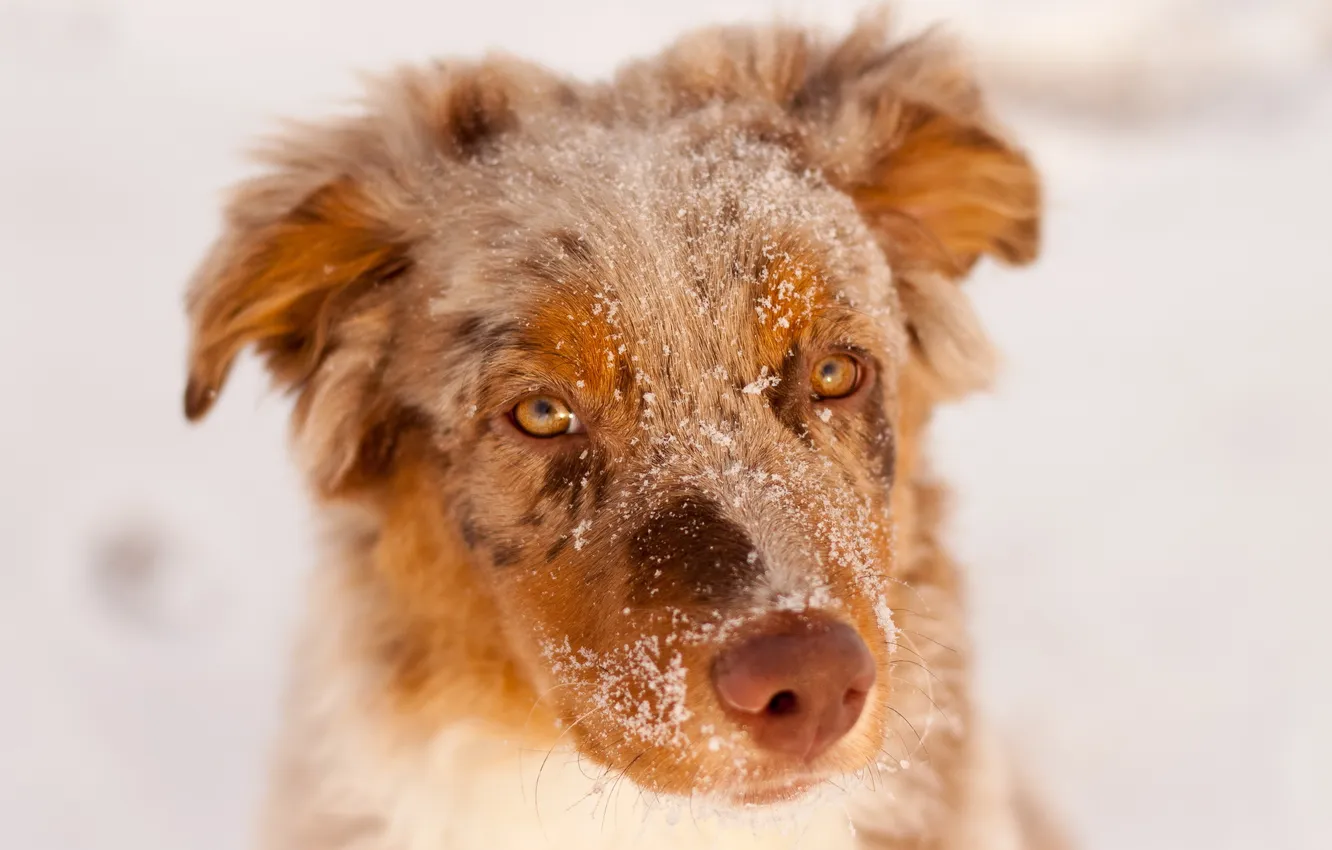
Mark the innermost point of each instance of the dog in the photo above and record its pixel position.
(612, 398)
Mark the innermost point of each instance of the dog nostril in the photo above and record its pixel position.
(783, 703)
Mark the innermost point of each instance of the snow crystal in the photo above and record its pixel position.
(761, 383)
(617, 676)
(884, 616)
(715, 434)
(578, 532)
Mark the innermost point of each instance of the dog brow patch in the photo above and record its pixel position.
(787, 290)
(789, 397)
(882, 443)
(573, 472)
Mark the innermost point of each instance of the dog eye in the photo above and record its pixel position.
(545, 416)
(835, 376)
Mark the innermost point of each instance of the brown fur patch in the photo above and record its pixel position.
(419, 580)
(789, 289)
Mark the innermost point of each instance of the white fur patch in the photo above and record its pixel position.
(480, 793)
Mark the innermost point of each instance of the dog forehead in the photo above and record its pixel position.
(620, 258)
(704, 309)
(684, 253)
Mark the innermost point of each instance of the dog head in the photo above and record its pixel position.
(631, 378)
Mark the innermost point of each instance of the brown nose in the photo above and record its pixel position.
(797, 686)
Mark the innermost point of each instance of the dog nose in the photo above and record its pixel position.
(797, 686)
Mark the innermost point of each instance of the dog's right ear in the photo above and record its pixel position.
(283, 275)
(333, 217)
(309, 267)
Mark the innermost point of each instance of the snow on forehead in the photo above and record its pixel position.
(670, 206)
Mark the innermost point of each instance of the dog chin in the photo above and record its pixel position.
(774, 793)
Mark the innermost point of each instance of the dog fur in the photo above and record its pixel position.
(509, 639)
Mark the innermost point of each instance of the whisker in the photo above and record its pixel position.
(913, 612)
(693, 785)
(522, 782)
(536, 786)
(952, 722)
(924, 667)
(919, 738)
(911, 588)
(942, 646)
(929, 694)
(594, 777)
(610, 797)
(911, 650)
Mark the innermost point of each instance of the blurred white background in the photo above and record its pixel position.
(1142, 501)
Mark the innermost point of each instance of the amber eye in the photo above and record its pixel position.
(545, 416)
(835, 376)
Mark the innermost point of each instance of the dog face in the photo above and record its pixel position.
(678, 422)
(628, 377)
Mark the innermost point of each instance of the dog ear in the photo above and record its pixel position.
(902, 129)
(281, 281)
(306, 269)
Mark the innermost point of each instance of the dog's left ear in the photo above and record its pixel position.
(904, 130)
(901, 128)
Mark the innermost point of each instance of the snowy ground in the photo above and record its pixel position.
(1142, 502)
